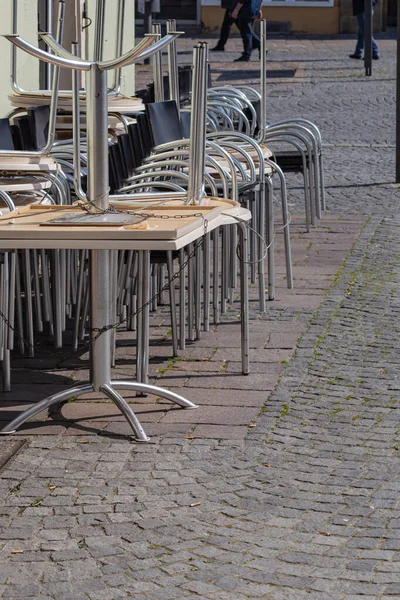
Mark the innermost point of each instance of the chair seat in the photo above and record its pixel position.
(23, 184)
(44, 164)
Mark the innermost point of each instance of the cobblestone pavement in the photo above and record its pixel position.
(305, 504)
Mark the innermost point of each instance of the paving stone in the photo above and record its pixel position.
(212, 415)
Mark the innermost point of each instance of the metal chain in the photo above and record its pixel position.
(110, 326)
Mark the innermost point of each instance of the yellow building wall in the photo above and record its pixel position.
(303, 19)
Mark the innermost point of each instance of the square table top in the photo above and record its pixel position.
(167, 226)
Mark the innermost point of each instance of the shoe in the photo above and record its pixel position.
(358, 56)
(376, 57)
(242, 58)
(217, 48)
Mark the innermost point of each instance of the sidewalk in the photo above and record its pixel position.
(283, 485)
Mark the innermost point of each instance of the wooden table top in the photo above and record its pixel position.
(166, 226)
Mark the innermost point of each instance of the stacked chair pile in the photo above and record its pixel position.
(170, 142)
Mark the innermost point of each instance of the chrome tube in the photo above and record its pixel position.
(197, 147)
(144, 49)
(97, 194)
(128, 413)
(100, 318)
(270, 238)
(14, 27)
(97, 138)
(42, 55)
(99, 30)
(45, 404)
(244, 298)
(49, 27)
(173, 66)
(7, 200)
(157, 68)
(116, 88)
(76, 130)
(263, 78)
(182, 303)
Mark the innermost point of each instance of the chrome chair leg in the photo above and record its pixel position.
(191, 335)
(261, 202)
(216, 312)
(270, 238)
(18, 305)
(244, 298)
(172, 303)
(206, 281)
(197, 291)
(28, 301)
(79, 299)
(37, 294)
(47, 303)
(182, 300)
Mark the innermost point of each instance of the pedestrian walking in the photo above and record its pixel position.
(359, 13)
(242, 14)
(225, 27)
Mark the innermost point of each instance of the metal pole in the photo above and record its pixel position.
(157, 69)
(46, 19)
(97, 138)
(99, 31)
(198, 125)
(398, 97)
(119, 44)
(49, 27)
(368, 37)
(147, 21)
(100, 276)
(263, 78)
(173, 66)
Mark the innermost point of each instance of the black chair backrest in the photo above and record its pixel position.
(257, 107)
(127, 153)
(39, 123)
(116, 167)
(112, 176)
(150, 91)
(16, 136)
(209, 78)
(24, 131)
(6, 138)
(185, 124)
(144, 95)
(164, 123)
(185, 83)
(166, 86)
(144, 134)
(137, 151)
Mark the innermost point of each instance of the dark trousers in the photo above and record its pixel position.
(361, 36)
(226, 29)
(250, 39)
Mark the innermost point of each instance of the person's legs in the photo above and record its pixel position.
(225, 31)
(375, 51)
(361, 28)
(246, 31)
(255, 41)
(225, 28)
(360, 41)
